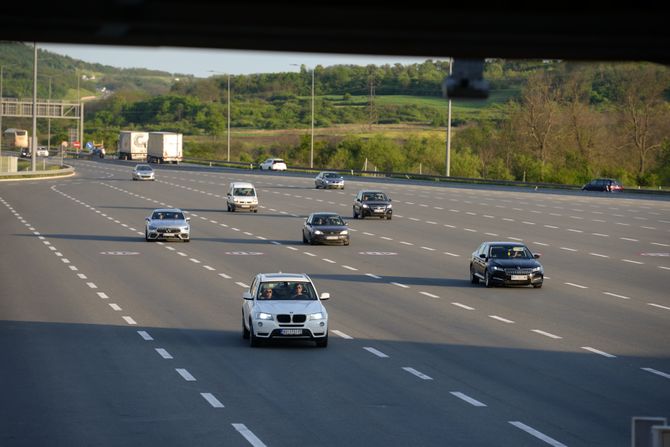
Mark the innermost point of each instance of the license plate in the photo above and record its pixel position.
(291, 331)
(379, 210)
(331, 237)
(519, 277)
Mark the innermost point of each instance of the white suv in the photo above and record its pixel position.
(284, 306)
(242, 196)
(273, 164)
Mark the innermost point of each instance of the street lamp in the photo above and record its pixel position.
(448, 156)
(311, 145)
(228, 117)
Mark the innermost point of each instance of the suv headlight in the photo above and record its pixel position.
(316, 316)
(389, 206)
(318, 232)
(537, 269)
(497, 268)
(344, 232)
(365, 206)
(264, 316)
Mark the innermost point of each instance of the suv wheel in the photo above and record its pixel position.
(245, 331)
(322, 342)
(254, 342)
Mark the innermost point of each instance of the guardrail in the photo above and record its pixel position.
(415, 176)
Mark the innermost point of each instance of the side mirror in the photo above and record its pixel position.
(147, 219)
(247, 296)
(325, 296)
(482, 255)
(188, 219)
(536, 255)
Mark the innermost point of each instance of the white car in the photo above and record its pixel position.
(167, 223)
(143, 172)
(273, 164)
(42, 151)
(284, 306)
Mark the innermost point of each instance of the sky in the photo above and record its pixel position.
(204, 63)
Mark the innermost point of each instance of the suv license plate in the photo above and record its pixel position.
(291, 331)
(519, 278)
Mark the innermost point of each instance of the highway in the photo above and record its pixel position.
(109, 340)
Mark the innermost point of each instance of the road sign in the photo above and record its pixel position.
(76, 144)
(89, 145)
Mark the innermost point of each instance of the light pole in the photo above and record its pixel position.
(33, 145)
(448, 155)
(311, 145)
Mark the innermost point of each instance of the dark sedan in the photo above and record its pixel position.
(603, 184)
(325, 228)
(506, 263)
(372, 203)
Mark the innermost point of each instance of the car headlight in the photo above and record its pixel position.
(365, 206)
(316, 316)
(496, 267)
(185, 228)
(537, 269)
(318, 232)
(344, 232)
(389, 206)
(264, 316)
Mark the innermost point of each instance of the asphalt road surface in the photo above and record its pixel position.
(108, 340)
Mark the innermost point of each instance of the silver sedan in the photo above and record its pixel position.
(167, 223)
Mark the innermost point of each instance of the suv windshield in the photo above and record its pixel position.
(246, 192)
(286, 290)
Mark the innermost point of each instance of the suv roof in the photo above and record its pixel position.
(283, 277)
(241, 185)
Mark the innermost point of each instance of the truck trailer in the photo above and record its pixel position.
(164, 147)
(132, 145)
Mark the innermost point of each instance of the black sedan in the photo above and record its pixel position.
(603, 184)
(325, 228)
(372, 203)
(506, 263)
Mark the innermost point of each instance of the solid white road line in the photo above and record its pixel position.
(400, 285)
(468, 399)
(248, 435)
(373, 276)
(463, 306)
(537, 434)
(659, 306)
(616, 296)
(430, 295)
(575, 285)
(504, 320)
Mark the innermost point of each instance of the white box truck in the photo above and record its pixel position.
(164, 147)
(132, 145)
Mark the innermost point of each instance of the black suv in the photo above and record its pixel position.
(505, 263)
(372, 203)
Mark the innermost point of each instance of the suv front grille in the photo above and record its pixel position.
(286, 318)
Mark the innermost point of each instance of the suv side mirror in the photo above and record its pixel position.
(325, 296)
(247, 296)
(188, 219)
(482, 255)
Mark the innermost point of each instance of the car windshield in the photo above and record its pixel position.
(286, 290)
(246, 192)
(377, 196)
(331, 175)
(167, 215)
(510, 252)
(144, 168)
(327, 220)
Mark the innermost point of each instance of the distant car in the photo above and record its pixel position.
(143, 172)
(325, 228)
(242, 196)
(97, 152)
(42, 151)
(506, 263)
(273, 164)
(167, 223)
(284, 306)
(25, 152)
(328, 179)
(603, 184)
(372, 203)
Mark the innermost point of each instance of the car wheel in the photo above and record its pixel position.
(487, 279)
(473, 278)
(146, 236)
(304, 239)
(389, 217)
(355, 214)
(245, 331)
(254, 342)
(322, 342)
(187, 240)
(346, 242)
